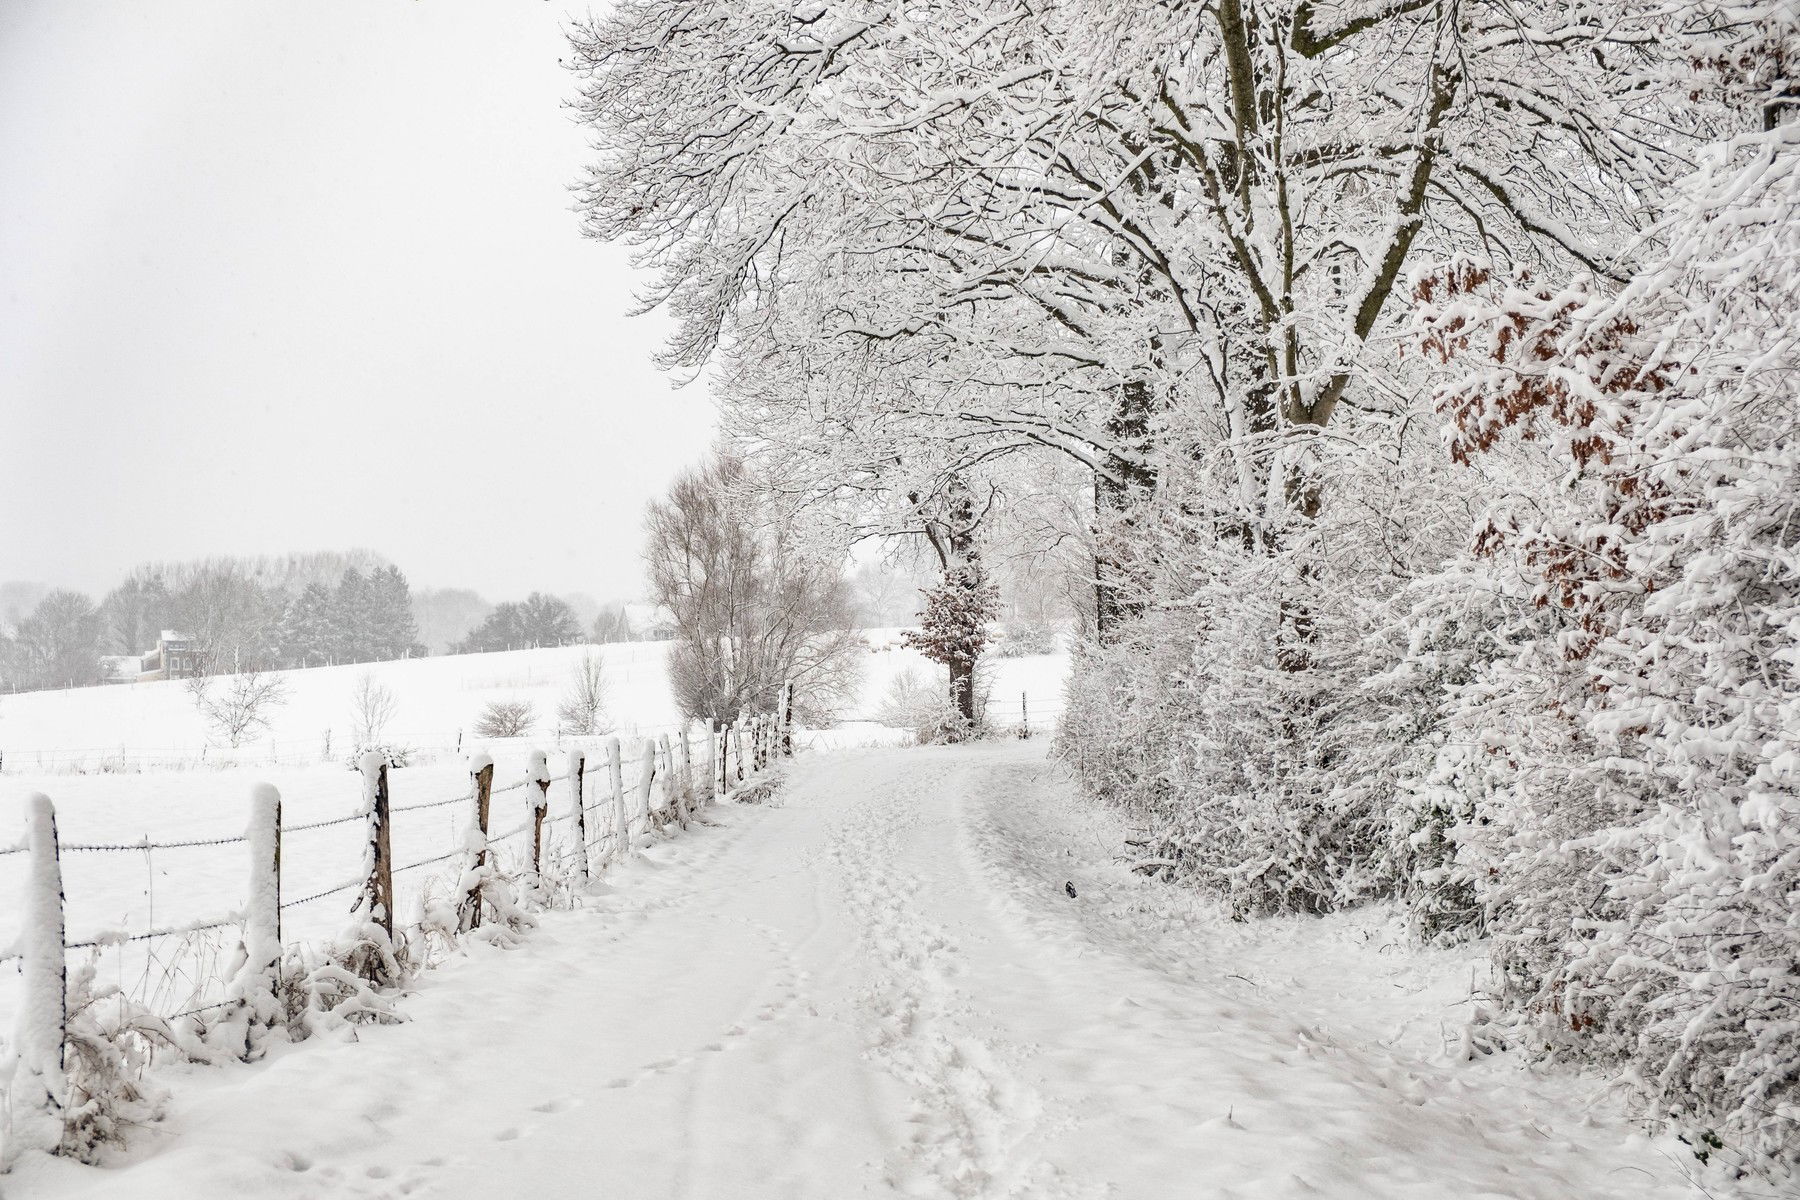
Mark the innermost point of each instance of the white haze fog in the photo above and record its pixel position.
(300, 277)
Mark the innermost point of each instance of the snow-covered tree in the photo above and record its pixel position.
(756, 603)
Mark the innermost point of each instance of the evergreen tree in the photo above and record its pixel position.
(548, 621)
(309, 634)
(394, 632)
(353, 618)
(503, 629)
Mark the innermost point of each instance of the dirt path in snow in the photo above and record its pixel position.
(879, 985)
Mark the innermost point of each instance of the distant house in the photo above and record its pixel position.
(175, 657)
(649, 623)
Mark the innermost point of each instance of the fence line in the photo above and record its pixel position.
(736, 756)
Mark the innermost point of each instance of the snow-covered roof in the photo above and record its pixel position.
(648, 616)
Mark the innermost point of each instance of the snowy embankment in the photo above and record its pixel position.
(140, 890)
(879, 984)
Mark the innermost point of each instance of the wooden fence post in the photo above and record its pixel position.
(787, 719)
(377, 902)
(647, 772)
(578, 768)
(687, 774)
(255, 987)
(721, 757)
(39, 1091)
(621, 824)
(737, 745)
(646, 776)
(712, 760)
(481, 791)
(537, 800)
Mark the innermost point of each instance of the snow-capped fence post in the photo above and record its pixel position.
(577, 769)
(737, 748)
(787, 718)
(537, 798)
(38, 1094)
(616, 774)
(258, 982)
(1024, 717)
(721, 751)
(481, 790)
(377, 901)
(712, 760)
(646, 777)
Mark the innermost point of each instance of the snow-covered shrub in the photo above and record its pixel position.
(1018, 639)
(396, 755)
(106, 1051)
(1638, 790)
(582, 710)
(919, 702)
(1267, 709)
(505, 719)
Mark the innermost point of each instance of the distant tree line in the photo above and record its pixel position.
(538, 620)
(275, 612)
(232, 619)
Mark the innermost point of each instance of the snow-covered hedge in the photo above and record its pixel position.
(1573, 728)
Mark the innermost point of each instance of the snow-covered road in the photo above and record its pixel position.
(879, 985)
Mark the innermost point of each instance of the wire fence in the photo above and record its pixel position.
(419, 748)
(616, 799)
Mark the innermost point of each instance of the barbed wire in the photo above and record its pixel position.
(427, 804)
(355, 816)
(118, 937)
(146, 844)
(194, 1012)
(428, 861)
(331, 891)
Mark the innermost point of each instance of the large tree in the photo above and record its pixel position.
(1156, 236)
(57, 645)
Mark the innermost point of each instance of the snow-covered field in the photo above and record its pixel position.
(155, 726)
(879, 984)
(195, 799)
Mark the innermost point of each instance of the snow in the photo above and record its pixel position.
(877, 984)
(154, 726)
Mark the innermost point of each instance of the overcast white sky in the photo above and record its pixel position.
(304, 276)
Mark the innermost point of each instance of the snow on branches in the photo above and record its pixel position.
(1638, 827)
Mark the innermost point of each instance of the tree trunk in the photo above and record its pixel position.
(1117, 489)
(962, 689)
